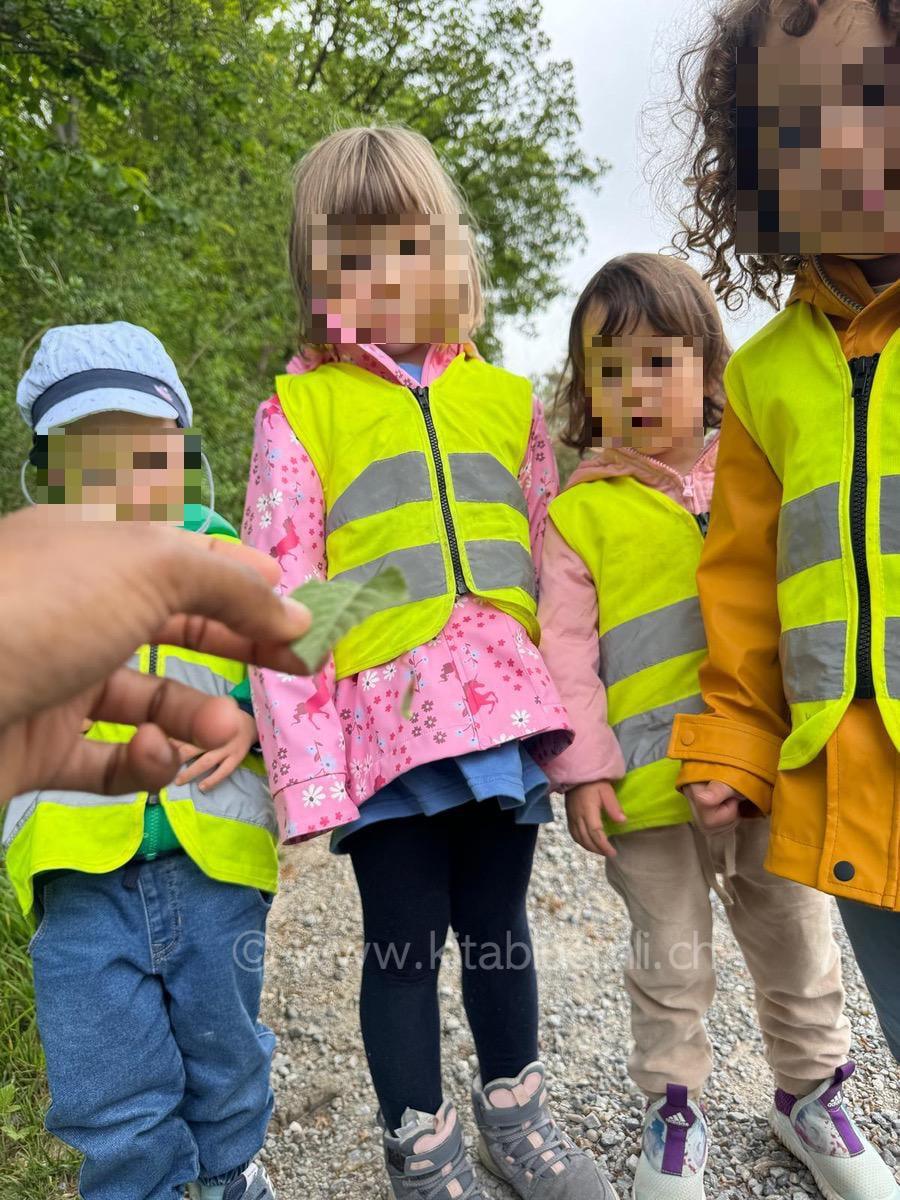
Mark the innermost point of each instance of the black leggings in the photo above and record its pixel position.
(467, 867)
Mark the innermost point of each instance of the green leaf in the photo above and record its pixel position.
(338, 606)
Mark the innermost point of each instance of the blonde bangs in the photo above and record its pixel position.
(377, 171)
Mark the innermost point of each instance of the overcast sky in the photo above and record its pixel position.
(624, 53)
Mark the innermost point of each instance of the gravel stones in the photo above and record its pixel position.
(324, 1142)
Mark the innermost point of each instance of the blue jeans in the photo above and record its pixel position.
(874, 934)
(147, 983)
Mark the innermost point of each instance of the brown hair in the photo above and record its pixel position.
(377, 170)
(673, 298)
(708, 101)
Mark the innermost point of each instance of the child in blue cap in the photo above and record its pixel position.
(151, 909)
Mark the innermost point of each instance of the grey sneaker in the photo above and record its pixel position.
(252, 1184)
(522, 1144)
(427, 1160)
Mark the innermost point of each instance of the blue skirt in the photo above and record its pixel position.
(505, 773)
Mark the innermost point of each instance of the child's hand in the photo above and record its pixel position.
(585, 809)
(225, 758)
(716, 805)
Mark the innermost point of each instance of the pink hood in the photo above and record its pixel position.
(693, 491)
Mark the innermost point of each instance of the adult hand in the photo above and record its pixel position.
(586, 806)
(717, 807)
(77, 599)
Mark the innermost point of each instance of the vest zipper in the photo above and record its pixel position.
(862, 372)
(424, 402)
(152, 822)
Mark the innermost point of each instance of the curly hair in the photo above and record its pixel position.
(673, 298)
(708, 100)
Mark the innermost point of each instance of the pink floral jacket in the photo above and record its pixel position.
(328, 747)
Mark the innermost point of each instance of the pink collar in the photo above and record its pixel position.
(373, 358)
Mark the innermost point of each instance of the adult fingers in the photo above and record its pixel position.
(147, 763)
(182, 712)
(208, 636)
(223, 581)
(262, 564)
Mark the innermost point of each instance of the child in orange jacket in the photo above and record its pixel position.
(793, 157)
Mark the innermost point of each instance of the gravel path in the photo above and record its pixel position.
(323, 1141)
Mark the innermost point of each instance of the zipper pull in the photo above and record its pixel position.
(421, 394)
(688, 489)
(862, 372)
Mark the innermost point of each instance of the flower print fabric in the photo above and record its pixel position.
(479, 683)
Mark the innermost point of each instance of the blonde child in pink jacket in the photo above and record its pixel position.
(623, 638)
(389, 440)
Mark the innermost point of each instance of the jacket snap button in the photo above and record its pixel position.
(687, 738)
(844, 871)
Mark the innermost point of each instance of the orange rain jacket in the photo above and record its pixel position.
(844, 806)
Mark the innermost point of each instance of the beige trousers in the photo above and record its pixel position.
(665, 877)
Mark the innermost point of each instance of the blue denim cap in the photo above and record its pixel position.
(78, 370)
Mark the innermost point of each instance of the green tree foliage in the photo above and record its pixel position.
(145, 160)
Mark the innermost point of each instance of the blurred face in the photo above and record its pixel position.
(645, 388)
(818, 138)
(389, 280)
(122, 467)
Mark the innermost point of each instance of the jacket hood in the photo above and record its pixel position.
(836, 286)
(609, 463)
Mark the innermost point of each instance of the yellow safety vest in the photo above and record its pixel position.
(642, 550)
(426, 479)
(831, 432)
(230, 831)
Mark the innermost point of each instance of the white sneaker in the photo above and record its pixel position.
(819, 1131)
(674, 1149)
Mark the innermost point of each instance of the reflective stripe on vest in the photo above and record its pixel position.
(423, 567)
(812, 658)
(643, 739)
(652, 638)
(230, 831)
(641, 549)
(890, 515)
(383, 485)
(808, 531)
(426, 481)
(792, 389)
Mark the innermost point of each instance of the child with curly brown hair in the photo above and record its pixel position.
(793, 165)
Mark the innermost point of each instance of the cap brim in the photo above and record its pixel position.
(104, 400)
